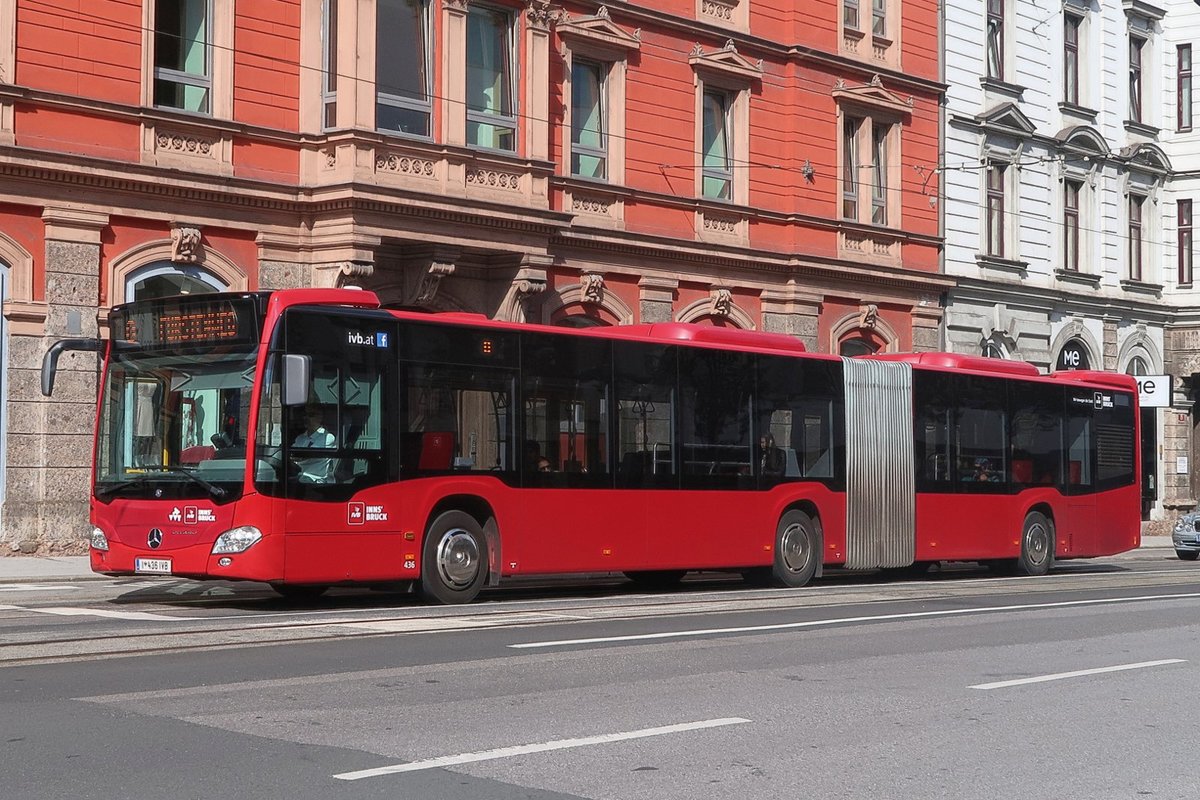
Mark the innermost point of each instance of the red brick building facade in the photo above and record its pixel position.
(764, 165)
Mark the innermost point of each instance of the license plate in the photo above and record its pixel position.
(160, 566)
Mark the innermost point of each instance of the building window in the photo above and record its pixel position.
(164, 279)
(850, 162)
(1135, 236)
(182, 55)
(402, 74)
(879, 17)
(1135, 78)
(1183, 87)
(1071, 190)
(995, 210)
(329, 65)
(589, 120)
(991, 349)
(869, 154)
(879, 174)
(1071, 24)
(995, 39)
(857, 346)
(1183, 210)
(716, 144)
(491, 110)
(850, 14)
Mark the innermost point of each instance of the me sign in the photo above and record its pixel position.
(1154, 391)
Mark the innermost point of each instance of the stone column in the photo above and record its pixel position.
(538, 14)
(657, 302)
(792, 311)
(50, 439)
(926, 328)
(1179, 441)
(1109, 345)
(454, 70)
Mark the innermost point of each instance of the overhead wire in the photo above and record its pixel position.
(806, 168)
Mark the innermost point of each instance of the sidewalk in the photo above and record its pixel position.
(73, 568)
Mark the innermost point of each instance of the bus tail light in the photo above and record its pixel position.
(99, 540)
(237, 540)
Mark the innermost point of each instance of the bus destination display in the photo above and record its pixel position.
(174, 324)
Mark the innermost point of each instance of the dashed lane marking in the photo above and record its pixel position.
(542, 747)
(1079, 673)
(819, 623)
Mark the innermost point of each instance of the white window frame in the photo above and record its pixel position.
(866, 170)
(330, 21)
(708, 173)
(407, 103)
(512, 57)
(603, 70)
(219, 57)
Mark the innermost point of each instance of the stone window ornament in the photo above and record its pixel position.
(720, 303)
(592, 288)
(185, 245)
(868, 316)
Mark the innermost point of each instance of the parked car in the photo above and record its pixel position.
(1186, 536)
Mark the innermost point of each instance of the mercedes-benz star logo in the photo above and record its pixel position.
(154, 539)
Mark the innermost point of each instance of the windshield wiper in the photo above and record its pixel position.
(113, 488)
(211, 488)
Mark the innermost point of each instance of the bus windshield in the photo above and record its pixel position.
(174, 426)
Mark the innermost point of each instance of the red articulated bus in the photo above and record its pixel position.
(309, 438)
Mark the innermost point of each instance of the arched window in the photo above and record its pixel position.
(856, 347)
(581, 321)
(992, 349)
(164, 279)
(1074, 355)
(1137, 366)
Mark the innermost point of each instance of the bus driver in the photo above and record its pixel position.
(315, 470)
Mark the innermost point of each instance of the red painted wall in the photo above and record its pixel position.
(89, 48)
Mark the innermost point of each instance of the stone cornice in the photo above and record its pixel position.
(829, 269)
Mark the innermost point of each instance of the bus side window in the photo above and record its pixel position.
(645, 391)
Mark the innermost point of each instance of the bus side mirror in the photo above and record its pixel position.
(50, 360)
(297, 373)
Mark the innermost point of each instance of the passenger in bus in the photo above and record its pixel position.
(983, 471)
(315, 470)
(774, 460)
(534, 460)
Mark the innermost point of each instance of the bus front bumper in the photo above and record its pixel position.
(263, 561)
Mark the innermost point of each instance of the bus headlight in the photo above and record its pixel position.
(238, 540)
(99, 540)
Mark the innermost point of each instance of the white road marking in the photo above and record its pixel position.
(35, 587)
(543, 747)
(817, 623)
(64, 611)
(1077, 674)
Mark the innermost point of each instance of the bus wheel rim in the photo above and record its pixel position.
(458, 557)
(793, 546)
(1037, 544)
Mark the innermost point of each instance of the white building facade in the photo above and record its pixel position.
(1057, 188)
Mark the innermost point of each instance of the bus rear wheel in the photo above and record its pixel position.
(454, 559)
(797, 550)
(1037, 545)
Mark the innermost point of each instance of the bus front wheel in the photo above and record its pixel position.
(797, 550)
(1037, 545)
(453, 559)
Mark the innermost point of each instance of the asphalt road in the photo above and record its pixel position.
(965, 685)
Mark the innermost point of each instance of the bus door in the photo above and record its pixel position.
(1076, 532)
(341, 517)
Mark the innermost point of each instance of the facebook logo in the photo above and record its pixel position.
(381, 340)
